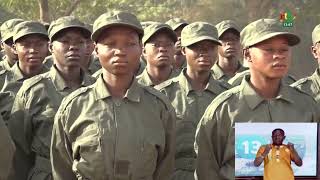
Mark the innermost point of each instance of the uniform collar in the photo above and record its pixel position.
(17, 73)
(218, 72)
(6, 63)
(92, 64)
(144, 77)
(212, 85)
(253, 99)
(61, 84)
(133, 93)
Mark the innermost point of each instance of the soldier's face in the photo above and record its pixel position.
(201, 56)
(69, 48)
(230, 45)
(159, 50)
(31, 50)
(9, 50)
(270, 58)
(119, 50)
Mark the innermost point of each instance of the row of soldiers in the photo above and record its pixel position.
(159, 108)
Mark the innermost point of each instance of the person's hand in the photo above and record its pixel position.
(290, 146)
(267, 149)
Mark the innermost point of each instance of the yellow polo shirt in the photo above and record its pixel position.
(277, 164)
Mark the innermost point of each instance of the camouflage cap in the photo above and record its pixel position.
(174, 23)
(198, 31)
(65, 23)
(264, 29)
(316, 34)
(158, 27)
(223, 26)
(28, 28)
(7, 28)
(115, 18)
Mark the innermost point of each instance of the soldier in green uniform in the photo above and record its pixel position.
(31, 45)
(158, 51)
(7, 44)
(228, 64)
(261, 97)
(192, 91)
(108, 130)
(311, 84)
(177, 24)
(7, 147)
(38, 99)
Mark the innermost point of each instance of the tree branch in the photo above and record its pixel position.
(44, 10)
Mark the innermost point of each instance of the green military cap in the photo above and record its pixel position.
(158, 27)
(28, 28)
(146, 24)
(174, 23)
(264, 29)
(115, 18)
(198, 31)
(7, 28)
(223, 26)
(65, 23)
(316, 34)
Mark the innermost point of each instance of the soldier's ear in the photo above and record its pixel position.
(314, 52)
(246, 54)
(50, 47)
(96, 48)
(14, 47)
(183, 50)
(144, 53)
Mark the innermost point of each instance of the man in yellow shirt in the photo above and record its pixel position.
(277, 158)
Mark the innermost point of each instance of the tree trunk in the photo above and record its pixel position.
(44, 11)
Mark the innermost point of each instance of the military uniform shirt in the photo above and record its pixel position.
(12, 81)
(145, 80)
(218, 73)
(215, 132)
(48, 62)
(189, 106)
(94, 65)
(237, 79)
(7, 150)
(33, 114)
(99, 137)
(310, 85)
(4, 64)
